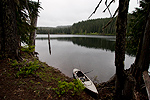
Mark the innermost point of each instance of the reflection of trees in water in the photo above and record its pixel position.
(96, 43)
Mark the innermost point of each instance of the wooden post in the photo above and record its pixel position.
(49, 43)
(147, 82)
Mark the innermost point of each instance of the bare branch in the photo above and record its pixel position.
(95, 9)
(108, 8)
(111, 18)
(108, 5)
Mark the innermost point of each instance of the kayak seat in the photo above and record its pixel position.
(82, 79)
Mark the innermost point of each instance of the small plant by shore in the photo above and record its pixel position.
(28, 49)
(76, 87)
(25, 67)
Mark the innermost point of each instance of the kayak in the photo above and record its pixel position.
(77, 74)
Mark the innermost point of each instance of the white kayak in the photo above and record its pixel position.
(77, 74)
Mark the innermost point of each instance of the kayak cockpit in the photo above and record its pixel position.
(77, 74)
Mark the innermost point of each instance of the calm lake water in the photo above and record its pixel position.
(85, 52)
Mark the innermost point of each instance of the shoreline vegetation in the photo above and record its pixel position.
(33, 79)
(87, 27)
(79, 34)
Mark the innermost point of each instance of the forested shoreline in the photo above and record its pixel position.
(91, 26)
(83, 27)
(24, 77)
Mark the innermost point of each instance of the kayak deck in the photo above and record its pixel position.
(85, 80)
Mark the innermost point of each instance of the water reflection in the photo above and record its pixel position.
(107, 43)
(96, 43)
(84, 52)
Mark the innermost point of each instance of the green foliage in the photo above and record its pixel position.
(87, 27)
(31, 81)
(54, 30)
(26, 10)
(137, 26)
(28, 49)
(14, 63)
(33, 9)
(63, 87)
(25, 68)
(78, 87)
(28, 69)
(48, 77)
(93, 26)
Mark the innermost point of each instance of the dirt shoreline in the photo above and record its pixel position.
(42, 83)
(38, 85)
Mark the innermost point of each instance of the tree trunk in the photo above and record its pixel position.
(32, 34)
(1, 24)
(120, 47)
(34, 24)
(142, 59)
(129, 87)
(9, 39)
(147, 82)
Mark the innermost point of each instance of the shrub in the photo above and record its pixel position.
(28, 49)
(63, 87)
(25, 68)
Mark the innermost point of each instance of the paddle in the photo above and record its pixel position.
(88, 72)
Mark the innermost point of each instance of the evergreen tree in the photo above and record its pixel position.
(14, 27)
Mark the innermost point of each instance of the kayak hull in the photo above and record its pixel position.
(88, 84)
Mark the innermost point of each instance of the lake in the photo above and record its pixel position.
(93, 54)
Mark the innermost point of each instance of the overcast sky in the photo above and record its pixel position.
(67, 12)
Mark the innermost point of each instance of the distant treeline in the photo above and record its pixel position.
(54, 30)
(93, 26)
